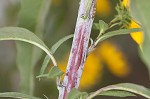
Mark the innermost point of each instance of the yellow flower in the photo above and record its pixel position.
(103, 8)
(136, 36)
(114, 59)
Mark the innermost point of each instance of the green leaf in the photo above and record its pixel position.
(117, 32)
(103, 26)
(21, 34)
(53, 50)
(60, 42)
(32, 16)
(117, 93)
(137, 89)
(96, 26)
(17, 95)
(54, 72)
(44, 65)
(75, 94)
(42, 75)
(129, 87)
(140, 11)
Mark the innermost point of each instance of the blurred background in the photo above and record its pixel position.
(115, 60)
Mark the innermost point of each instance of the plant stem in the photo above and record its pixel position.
(79, 49)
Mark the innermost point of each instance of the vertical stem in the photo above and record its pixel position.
(79, 48)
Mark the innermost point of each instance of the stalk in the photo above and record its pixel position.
(79, 48)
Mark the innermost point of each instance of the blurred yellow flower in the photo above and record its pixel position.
(106, 53)
(126, 3)
(103, 8)
(114, 59)
(92, 71)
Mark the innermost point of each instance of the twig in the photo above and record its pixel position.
(79, 47)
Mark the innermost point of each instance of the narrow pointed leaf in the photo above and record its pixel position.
(44, 65)
(129, 87)
(134, 88)
(61, 41)
(96, 26)
(117, 32)
(53, 50)
(117, 93)
(21, 34)
(54, 72)
(103, 26)
(42, 75)
(75, 94)
(17, 95)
